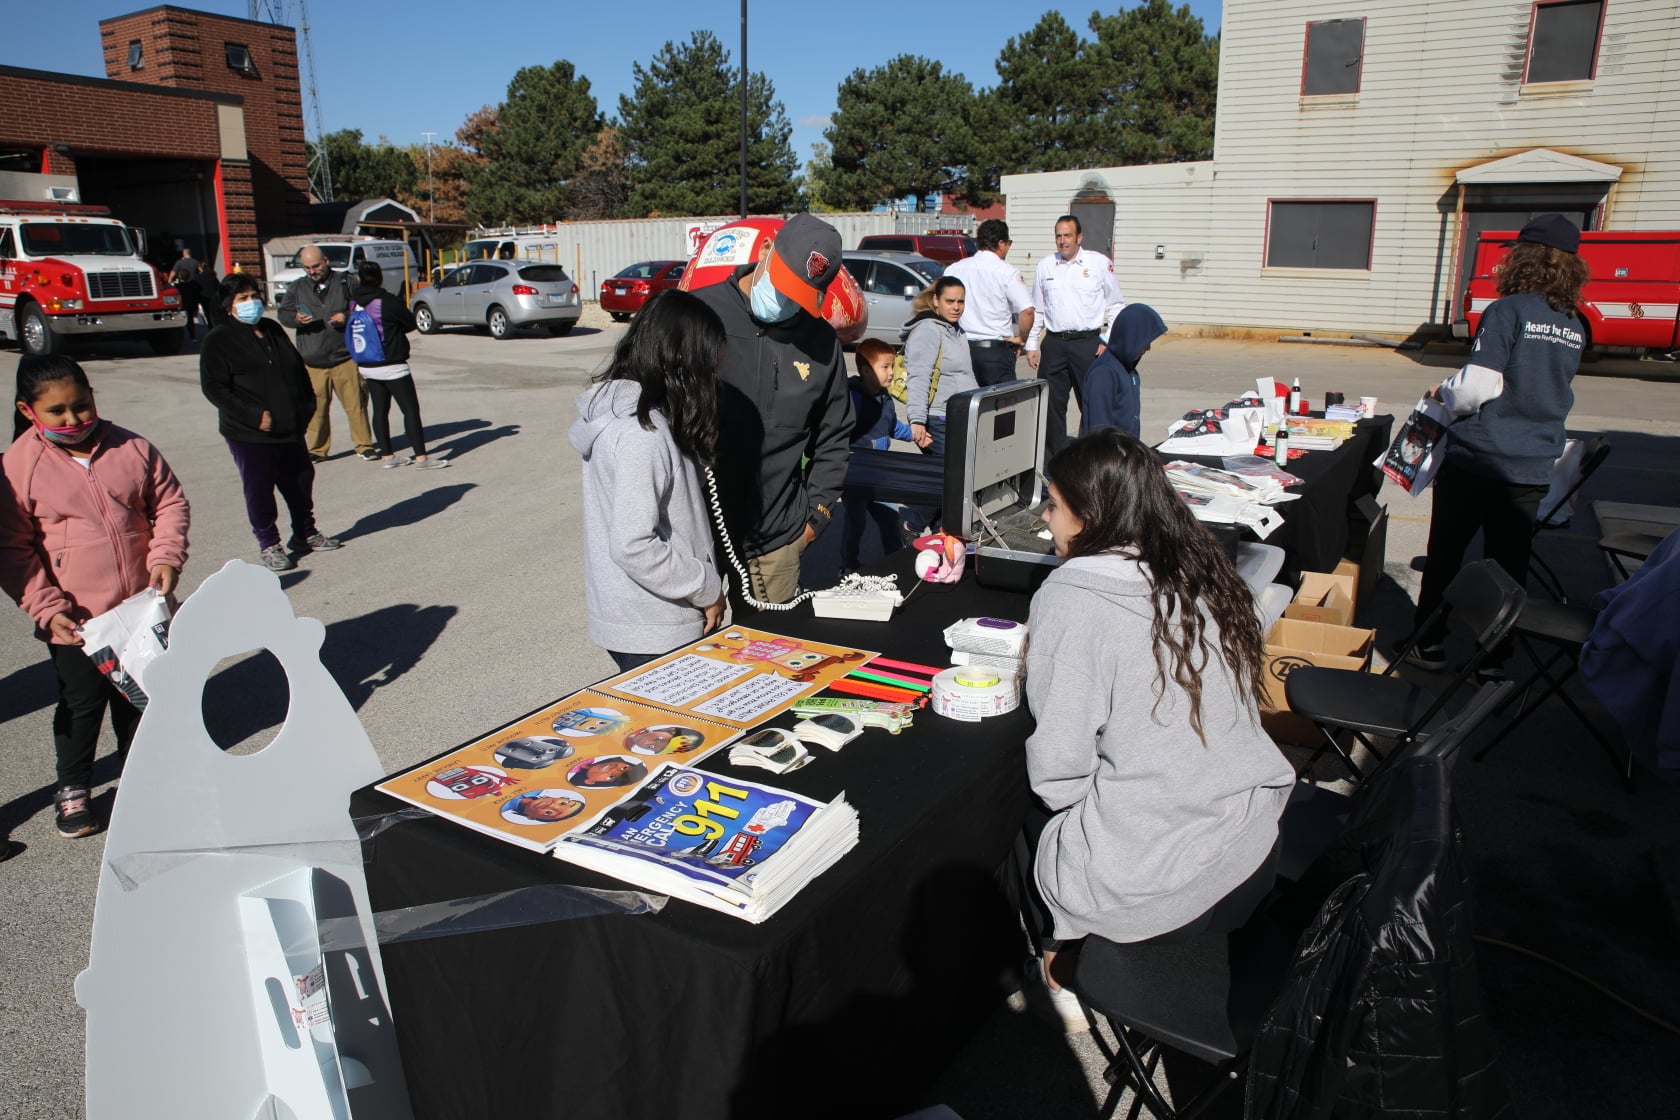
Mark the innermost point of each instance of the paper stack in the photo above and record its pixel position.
(724, 843)
(1310, 434)
(1350, 412)
(1215, 431)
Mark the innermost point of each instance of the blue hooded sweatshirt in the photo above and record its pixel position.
(1111, 384)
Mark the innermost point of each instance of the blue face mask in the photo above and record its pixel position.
(248, 312)
(769, 305)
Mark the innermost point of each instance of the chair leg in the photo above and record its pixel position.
(1141, 1076)
(1332, 743)
(1545, 577)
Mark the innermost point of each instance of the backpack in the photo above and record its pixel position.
(364, 334)
(899, 387)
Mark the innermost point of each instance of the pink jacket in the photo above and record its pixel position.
(81, 540)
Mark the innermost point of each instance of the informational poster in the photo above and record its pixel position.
(556, 771)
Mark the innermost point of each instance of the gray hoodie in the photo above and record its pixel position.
(1151, 828)
(648, 571)
(927, 339)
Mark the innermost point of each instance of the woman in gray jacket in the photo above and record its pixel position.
(1143, 673)
(936, 365)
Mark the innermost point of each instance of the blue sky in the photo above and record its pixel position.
(399, 70)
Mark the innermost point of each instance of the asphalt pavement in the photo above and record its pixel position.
(456, 602)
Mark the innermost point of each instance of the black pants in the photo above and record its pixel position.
(1466, 503)
(993, 365)
(1062, 363)
(380, 396)
(83, 696)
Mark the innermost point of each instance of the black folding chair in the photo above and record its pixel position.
(1632, 545)
(1592, 457)
(1384, 705)
(1207, 996)
(1315, 816)
(1564, 627)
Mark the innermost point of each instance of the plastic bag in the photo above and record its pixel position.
(127, 638)
(1419, 448)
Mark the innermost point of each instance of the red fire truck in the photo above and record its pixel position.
(1632, 298)
(72, 271)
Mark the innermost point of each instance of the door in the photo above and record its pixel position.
(1095, 212)
(1510, 206)
(446, 295)
(479, 292)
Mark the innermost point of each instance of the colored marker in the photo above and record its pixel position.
(891, 680)
(875, 691)
(905, 666)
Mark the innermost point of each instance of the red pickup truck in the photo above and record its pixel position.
(1632, 298)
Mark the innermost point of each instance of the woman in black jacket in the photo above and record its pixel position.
(383, 362)
(252, 373)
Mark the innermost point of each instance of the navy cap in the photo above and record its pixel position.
(1554, 230)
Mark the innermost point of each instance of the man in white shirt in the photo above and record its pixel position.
(995, 295)
(1077, 300)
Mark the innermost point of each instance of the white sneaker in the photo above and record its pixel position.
(1062, 1004)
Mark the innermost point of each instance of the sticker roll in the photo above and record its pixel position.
(971, 693)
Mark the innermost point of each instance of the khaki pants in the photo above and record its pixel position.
(345, 381)
(775, 575)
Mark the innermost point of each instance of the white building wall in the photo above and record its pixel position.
(1440, 91)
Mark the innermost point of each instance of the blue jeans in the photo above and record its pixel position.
(629, 661)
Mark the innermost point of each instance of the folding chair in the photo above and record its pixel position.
(1621, 547)
(1207, 996)
(1592, 457)
(1373, 704)
(1564, 627)
(1315, 816)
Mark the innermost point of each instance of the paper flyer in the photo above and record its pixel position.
(556, 771)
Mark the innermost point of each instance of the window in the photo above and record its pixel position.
(239, 58)
(136, 55)
(22, 159)
(1320, 233)
(543, 273)
(1335, 52)
(1563, 41)
(8, 249)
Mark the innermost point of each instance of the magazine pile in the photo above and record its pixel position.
(563, 770)
(724, 843)
(1226, 498)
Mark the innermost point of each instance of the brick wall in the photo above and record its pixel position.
(94, 119)
(244, 241)
(185, 49)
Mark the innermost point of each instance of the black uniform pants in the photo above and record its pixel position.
(993, 364)
(1466, 503)
(1062, 363)
(83, 695)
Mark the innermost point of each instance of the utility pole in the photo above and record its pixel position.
(431, 201)
(743, 108)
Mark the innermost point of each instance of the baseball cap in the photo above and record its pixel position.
(804, 260)
(1554, 230)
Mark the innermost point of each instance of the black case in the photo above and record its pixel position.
(994, 482)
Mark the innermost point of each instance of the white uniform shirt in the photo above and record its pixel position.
(1077, 295)
(994, 294)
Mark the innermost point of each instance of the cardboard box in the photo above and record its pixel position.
(1324, 597)
(1293, 644)
(1349, 570)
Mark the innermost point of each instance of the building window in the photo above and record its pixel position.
(239, 58)
(1320, 233)
(29, 160)
(136, 55)
(1563, 40)
(1334, 54)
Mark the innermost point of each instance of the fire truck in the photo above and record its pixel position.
(72, 271)
(1631, 298)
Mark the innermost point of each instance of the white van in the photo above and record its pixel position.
(345, 255)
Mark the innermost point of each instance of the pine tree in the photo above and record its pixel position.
(1159, 70)
(904, 128)
(681, 126)
(362, 171)
(533, 148)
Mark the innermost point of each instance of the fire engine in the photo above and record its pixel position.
(1631, 298)
(73, 271)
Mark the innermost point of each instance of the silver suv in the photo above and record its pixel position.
(888, 282)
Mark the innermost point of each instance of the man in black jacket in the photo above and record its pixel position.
(784, 412)
(317, 306)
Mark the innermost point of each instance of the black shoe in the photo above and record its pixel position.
(1431, 656)
(313, 458)
(316, 542)
(75, 815)
(1491, 674)
(370, 455)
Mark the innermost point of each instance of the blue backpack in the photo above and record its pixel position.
(363, 334)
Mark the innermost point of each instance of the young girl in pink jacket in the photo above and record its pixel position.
(90, 514)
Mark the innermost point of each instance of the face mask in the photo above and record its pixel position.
(65, 437)
(769, 305)
(248, 312)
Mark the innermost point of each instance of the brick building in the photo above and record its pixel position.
(196, 133)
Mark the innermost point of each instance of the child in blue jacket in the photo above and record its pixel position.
(1112, 399)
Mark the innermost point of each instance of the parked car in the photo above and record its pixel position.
(945, 247)
(889, 281)
(500, 295)
(623, 295)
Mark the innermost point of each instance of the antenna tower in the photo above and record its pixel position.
(295, 13)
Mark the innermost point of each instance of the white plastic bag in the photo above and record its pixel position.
(1419, 448)
(127, 638)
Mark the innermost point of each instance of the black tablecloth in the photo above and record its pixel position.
(1315, 531)
(840, 1005)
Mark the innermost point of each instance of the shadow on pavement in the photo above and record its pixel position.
(409, 511)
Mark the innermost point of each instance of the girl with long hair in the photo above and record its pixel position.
(937, 365)
(1513, 398)
(645, 429)
(1163, 793)
(90, 515)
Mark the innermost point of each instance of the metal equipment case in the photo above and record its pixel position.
(994, 482)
